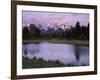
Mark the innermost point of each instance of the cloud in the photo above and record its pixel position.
(44, 18)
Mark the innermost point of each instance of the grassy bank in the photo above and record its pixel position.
(40, 63)
(63, 41)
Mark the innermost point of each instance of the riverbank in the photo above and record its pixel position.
(40, 63)
(62, 41)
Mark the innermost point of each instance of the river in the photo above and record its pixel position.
(65, 53)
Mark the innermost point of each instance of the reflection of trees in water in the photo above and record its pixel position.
(77, 52)
(32, 50)
(25, 52)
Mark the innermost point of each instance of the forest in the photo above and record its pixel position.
(76, 32)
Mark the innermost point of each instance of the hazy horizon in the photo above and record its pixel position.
(51, 18)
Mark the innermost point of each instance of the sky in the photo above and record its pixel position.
(50, 18)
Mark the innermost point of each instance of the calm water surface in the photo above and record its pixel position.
(65, 53)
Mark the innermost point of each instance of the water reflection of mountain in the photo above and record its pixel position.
(64, 53)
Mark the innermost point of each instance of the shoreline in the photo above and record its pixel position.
(41, 63)
(56, 41)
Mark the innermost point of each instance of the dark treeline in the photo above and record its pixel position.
(77, 32)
